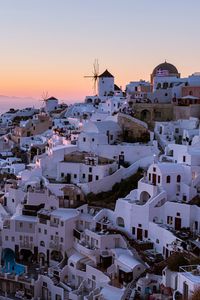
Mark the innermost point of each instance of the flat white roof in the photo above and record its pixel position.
(24, 218)
(65, 213)
(110, 292)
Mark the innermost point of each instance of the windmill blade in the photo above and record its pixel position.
(95, 75)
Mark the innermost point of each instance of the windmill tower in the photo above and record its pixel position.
(49, 103)
(95, 75)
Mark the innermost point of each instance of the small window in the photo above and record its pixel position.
(139, 225)
(92, 139)
(133, 230)
(6, 238)
(93, 277)
(184, 158)
(62, 174)
(42, 244)
(20, 224)
(61, 239)
(178, 214)
(149, 176)
(84, 139)
(30, 225)
(31, 239)
(75, 176)
(158, 178)
(83, 175)
(146, 233)
(154, 169)
(45, 231)
(178, 179)
(51, 237)
(62, 223)
(97, 177)
(168, 179)
(13, 238)
(90, 169)
(157, 241)
(39, 229)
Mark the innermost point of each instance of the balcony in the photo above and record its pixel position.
(26, 245)
(55, 246)
(85, 249)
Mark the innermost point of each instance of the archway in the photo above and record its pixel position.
(144, 197)
(56, 255)
(120, 222)
(26, 256)
(145, 115)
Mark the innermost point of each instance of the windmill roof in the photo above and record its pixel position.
(106, 73)
(52, 98)
(116, 88)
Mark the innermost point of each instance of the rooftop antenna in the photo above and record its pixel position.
(95, 75)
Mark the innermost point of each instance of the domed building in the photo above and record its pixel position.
(165, 70)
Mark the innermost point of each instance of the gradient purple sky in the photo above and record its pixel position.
(49, 45)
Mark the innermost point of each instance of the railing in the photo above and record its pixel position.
(26, 245)
(55, 246)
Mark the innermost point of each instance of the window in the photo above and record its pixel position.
(176, 130)
(13, 200)
(154, 169)
(84, 139)
(42, 244)
(169, 220)
(20, 224)
(39, 229)
(62, 223)
(45, 231)
(157, 241)
(20, 237)
(75, 176)
(90, 169)
(92, 139)
(139, 225)
(146, 233)
(83, 175)
(62, 174)
(31, 239)
(97, 177)
(149, 176)
(51, 237)
(13, 238)
(168, 179)
(61, 239)
(178, 214)
(93, 277)
(158, 178)
(133, 230)
(184, 158)
(30, 225)
(6, 238)
(178, 179)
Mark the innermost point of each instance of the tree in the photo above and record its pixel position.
(175, 261)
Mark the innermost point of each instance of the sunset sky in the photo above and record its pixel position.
(49, 45)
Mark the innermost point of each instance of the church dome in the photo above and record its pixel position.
(165, 68)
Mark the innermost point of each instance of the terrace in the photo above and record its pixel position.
(85, 157)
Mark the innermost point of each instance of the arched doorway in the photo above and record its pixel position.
(56, 255)
(26, 256)
(145, 115)
(144, 197)
(120, 222)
